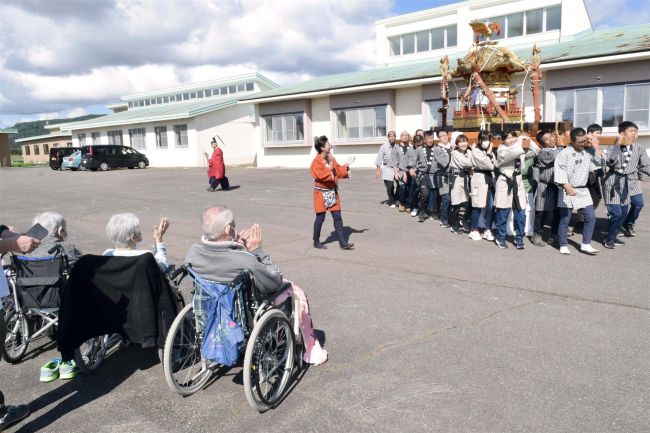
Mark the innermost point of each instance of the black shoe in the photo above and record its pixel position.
(609, 244)
(320, 246)
(13, 415)
(628, 231)
(619, 242)
(502, 245)
(349, 246)
(210, 189)
(421, 219)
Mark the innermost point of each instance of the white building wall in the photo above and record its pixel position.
(408, 108)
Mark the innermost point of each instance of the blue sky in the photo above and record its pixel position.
(82, 66)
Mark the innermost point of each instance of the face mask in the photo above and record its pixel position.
(485, 144)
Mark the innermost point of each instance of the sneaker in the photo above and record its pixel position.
(319, 246)
(488, 236)
(68, 369)
(463, 227)
(503, 245)
(444, 225)
(565, 251)
(401, 208)
(618, 242)
(454, 230)
(519, 243)
(609, 245)
(348, 246)
(474, 235)
(13, 415)
(392, 206)
(588, 249)
(50, 371)
(421, 218)
(628, 231)
(414, 212)
(537, 241)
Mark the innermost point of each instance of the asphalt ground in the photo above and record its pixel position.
(427, 331)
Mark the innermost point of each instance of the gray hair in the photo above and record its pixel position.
(214, 222)
(122, 228)
(52, 221)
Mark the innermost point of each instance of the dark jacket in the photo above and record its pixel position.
(124, 295)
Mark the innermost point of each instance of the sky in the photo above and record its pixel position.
(66, 58)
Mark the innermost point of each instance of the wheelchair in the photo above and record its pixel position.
(272, 348)
(35, 286)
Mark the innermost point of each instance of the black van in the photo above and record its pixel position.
(108, 156)
(58, 153)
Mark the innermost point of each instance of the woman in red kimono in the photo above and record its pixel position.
(216, 167)
(326, 172)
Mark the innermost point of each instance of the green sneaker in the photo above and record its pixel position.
(68, 369)
(50, 371)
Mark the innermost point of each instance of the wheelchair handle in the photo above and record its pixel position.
(54, 249)
(177, 272)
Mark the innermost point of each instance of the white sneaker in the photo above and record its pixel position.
(474, 235)
(392, 206)
(488, 236)
(565, 250)
(414, 212)
(588, 249)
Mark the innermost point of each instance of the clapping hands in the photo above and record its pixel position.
(160, 229)
(251, 238)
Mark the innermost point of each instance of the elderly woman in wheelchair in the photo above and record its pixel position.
(241, 305)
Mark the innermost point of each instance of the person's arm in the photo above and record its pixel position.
(160, 250)
(267, 276)
(320, 171)
(20, 244)
(561, 175)
(644, 162)
(507, 154)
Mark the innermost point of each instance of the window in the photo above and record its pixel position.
(232, 89)
(46, 149)
(95, 137)
(81, 138)
(180, 134)
(586, 101)
(165, 99)
(186, 96)
(284, 128)
(27, 149)
(515, 25)
(553, 18)
(37, 150)
(159, 100)
(408, 43)
(241, 87)
(161, 136)
(502, 24)
(250, 87)
(137, 138)
(608, 105)
(223, 90)
(435, 116)
(422, 41)
(534, 21)
(115, 137)
(68, 144)
(192, 95)
(357, 123)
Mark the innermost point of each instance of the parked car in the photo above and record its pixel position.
(58, 153)
(108, 156)
(72, 162)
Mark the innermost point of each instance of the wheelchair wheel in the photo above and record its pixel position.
(268, 363)
(17, 338)
(185, 370)
(90, 355)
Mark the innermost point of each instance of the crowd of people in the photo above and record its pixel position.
(524, 187)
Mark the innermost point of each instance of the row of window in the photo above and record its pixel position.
(195, 94)
(137, 137)
(607, 106)
(425, 40)
(37, 148)
(528, 23)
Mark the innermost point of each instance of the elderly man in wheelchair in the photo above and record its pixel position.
(241, 303)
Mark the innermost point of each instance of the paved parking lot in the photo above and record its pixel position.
(426, 331)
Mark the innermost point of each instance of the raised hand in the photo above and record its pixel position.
(160, 229)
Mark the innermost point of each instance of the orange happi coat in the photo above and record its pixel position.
(324, 178)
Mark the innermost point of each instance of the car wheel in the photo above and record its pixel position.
(93, 169)
(73, 169)
(142, 164)
(103, 166)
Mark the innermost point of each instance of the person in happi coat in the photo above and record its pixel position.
(326, 173)
(441, 158)
(460, 171)
(414, 190)
(216, 167)
(571, 171)
(403, 162)
(482, 186)
(424, 167)
(546, 189)
(385, 169)
(621, 187)
(510, 194)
